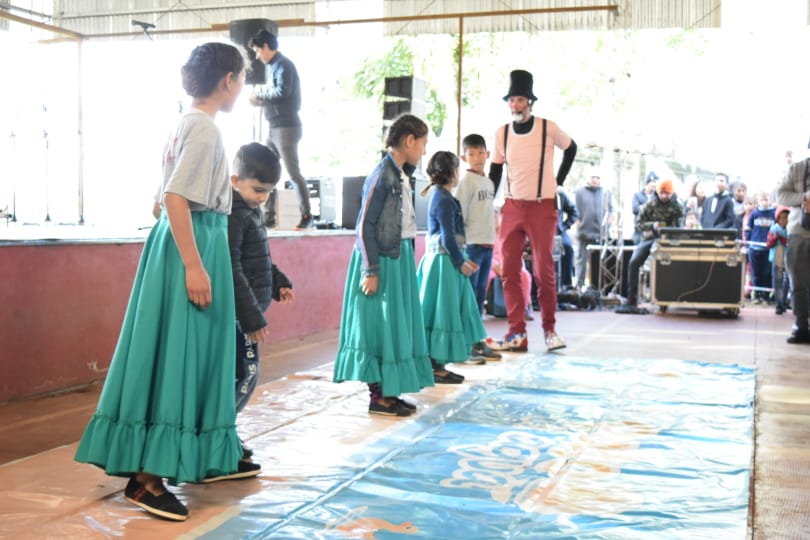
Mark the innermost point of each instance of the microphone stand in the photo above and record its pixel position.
(47, 180)
(13, 177)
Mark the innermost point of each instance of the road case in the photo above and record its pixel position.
(702, 278)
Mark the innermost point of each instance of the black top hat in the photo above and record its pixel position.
(520, 84)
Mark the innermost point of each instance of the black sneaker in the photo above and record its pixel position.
(164, 505)
(396, 408)
(307, 222)
(245, 469)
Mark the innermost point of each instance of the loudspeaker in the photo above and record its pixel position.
(352, 198)
(405, 87)
(392, 109)
(241, 32)
(408, 95)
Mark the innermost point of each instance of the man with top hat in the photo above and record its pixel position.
(662, 210)
(526, 146)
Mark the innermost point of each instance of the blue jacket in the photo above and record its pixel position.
(446, 226)
(759, 224)
(379, 223)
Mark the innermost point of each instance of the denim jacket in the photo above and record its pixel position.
(379, 224)
(445, 226)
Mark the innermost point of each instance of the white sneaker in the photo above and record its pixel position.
(554, 342)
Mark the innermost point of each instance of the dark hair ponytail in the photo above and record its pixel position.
(441, 168)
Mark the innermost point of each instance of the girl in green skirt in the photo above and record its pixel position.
(449, 308)
(167, 406)
(382, 335)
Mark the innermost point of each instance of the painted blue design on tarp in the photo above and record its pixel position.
(559, 448)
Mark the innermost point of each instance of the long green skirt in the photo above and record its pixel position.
(167, 406)
(452, 320)
(382, 336)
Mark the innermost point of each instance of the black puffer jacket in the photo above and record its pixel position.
(256, 279)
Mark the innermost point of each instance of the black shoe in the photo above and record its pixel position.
(799, 336)
(164, 505)
(307, 222)
(396, 408)
(481, 349)
(407, 404)
(447, 378)
(245, 469)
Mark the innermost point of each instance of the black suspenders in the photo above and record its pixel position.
(542, 155)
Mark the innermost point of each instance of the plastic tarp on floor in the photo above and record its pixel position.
(544, 447)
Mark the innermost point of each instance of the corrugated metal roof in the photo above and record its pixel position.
(95, 18)
(559, 15)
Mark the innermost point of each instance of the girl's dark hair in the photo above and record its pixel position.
(440, 169)
(404, 125)
(207, 65)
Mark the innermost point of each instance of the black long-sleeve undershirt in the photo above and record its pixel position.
(568, 159)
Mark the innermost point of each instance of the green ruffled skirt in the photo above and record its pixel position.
(449, 308)
(382, 336)
(167, 406)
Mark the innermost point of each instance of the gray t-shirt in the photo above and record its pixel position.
(476, 194)
(195, 166)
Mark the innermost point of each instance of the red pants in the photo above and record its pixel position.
(536, 220)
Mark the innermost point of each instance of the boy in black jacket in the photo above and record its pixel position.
(256, 279)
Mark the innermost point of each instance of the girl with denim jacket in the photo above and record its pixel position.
(449, 307)
(382, 335)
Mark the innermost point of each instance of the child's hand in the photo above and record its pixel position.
(259, 336)
(286, 295)
(369, 285)
(468, 268)
(198, 286)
